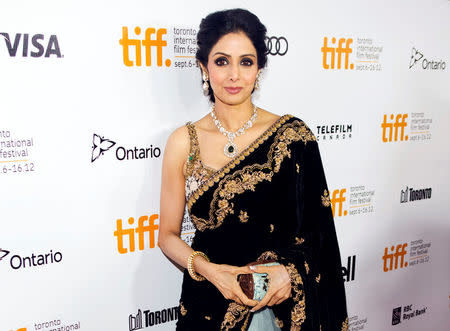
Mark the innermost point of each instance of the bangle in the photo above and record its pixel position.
(190, 265)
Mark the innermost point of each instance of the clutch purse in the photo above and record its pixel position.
(255, 285)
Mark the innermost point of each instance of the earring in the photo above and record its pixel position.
(257, 82)
(205, 84)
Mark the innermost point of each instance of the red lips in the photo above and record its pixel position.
(233, 90)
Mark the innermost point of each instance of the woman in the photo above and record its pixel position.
(255, 189)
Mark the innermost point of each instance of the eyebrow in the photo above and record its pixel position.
(228, 55)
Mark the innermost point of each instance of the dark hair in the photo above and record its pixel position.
(217, 24)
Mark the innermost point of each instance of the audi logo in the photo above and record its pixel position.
(276, 45)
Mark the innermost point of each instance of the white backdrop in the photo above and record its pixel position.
(59, 206)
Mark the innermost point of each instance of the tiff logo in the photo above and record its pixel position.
(148, 43)
(390, 260)
(37, 41)
(336, 52)
(400, 122)
(150, 228)
(338, 198)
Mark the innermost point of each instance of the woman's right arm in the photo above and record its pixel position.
(172, 206)
(172, 197)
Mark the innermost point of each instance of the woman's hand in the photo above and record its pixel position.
(224, 277)
(279, 286)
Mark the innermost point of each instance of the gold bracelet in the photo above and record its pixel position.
(190, 265)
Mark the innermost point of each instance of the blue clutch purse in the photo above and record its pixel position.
(255, 285)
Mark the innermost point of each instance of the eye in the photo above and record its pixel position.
(221, 61)
(247, 62)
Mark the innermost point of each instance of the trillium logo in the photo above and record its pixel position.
(3, 253)
(415, 56)
(99, 146)
(427, 64)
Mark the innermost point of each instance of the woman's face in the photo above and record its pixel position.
(232, 68)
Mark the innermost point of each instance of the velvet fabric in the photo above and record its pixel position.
(270, 201)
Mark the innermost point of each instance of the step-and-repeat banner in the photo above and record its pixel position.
(90, 91)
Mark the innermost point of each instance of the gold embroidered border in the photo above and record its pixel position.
(345, 325)
(298, 314)
(235, 313)
(194, 153)
(246, 178)
(326, 202)
(240, 157)
(193, 149)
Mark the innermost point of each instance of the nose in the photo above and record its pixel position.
(234, 73)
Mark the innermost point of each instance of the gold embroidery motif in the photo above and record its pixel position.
(243, 217)
(272, 227)
(279, 323)
(345, 325)
(247, 181)
(196, 173)
(298, 168)
(268, 255)
(248, 177)
(235, 313)
(183, 310)
(307, 267)
(299, 241)
(326, 199)
(318, 278)
(298, 314)
(289, 135)
(208, 317)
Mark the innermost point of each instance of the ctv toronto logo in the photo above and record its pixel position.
(151, 318)
(100, 145)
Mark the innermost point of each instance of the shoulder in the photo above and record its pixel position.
(178, 143)
(297, 129)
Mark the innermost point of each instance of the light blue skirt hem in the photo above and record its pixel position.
(264, 320)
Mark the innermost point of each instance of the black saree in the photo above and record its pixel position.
(270, 201)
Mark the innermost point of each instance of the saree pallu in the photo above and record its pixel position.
(269, 202)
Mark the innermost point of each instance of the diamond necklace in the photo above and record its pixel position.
(230, 149)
